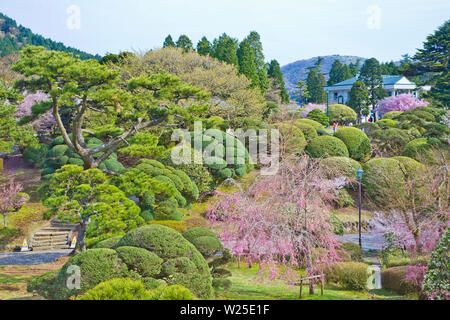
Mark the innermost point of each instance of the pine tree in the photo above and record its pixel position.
(184, 43)
(225, 49)
(335, 73)
(354, 67)
(433, 60)
(359, 97)
(246, 59)
(204, 47)
(316, 82)
(274, 72)
(168, 42)
(371, 76)
(254, 40)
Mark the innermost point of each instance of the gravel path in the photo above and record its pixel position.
(31, 258)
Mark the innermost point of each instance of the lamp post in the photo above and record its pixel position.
(359, 174)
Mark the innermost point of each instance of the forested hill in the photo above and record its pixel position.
(297, 71)
(14, 37)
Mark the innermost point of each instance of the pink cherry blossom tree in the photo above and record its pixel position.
(42, 123)
(11, 198)
(281, 220)
(310, 107)
(402, 102)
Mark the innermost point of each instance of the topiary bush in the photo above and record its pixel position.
(381, 175)
(182, 262)
(221, 151)
(314, 124)
(411, 166)
(140, 260)
(118, 289)
(392, 114)
(391, 141)
(387, 123)
(109, 243)
(319, 116)
(418, 149)
(341, 114)
(350, 275)
(308, 130)
(336, 167)
(96, 266)
(368, 127)
(154, 254)
(327, 146)
(160, 190)
(59, 154)
(204, 239)
(292, 139)
(357, 142)
(173, 292)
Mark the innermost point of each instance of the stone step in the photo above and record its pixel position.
(51, 233)
(49, 243)
(50, 239)
(49, 248)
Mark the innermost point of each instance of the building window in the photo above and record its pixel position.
(335, 96)
(341, 100)
(389, 93)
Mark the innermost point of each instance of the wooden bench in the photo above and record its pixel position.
(311, 283)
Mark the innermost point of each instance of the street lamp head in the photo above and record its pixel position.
(359, 173)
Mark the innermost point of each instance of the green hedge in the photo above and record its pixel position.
(349, 275)
(308, 130)
(327, 146)
(395, 279)
(357, 142)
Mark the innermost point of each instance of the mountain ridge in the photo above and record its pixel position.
(296, 71)
(14, 37)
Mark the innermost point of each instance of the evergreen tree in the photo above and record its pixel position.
(184, 43)
(254, 40)
(371, 75)
(225, 49)
(302, 91)
(168, 42)
(204, 47)
(335, 73)
(359, 97)
(246, 59)
(354, 67)
(339, 72)
(274, 72)
(316, 82)
(433, 60)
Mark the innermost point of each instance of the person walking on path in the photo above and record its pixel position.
(335, 124)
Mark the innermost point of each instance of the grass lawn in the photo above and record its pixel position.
(247, 286)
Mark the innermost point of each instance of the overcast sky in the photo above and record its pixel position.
(290, 29)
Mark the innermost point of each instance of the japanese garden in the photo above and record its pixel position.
(205, 171)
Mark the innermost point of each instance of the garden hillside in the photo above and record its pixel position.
(152, 157)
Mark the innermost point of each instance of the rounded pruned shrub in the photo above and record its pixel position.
(292, 139)
(341, 114)
(327, 146)
(357, 142)
(313, 123)
(140, 260)
(387, 123)
(336, 167)
(96, 266)
(392, 114)
(418, 149)
(410, 165)
(368, 127)
(173, 292)
(308, 130)
(381, 176)
(183, 263)
(109, 243)
(118, 289)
